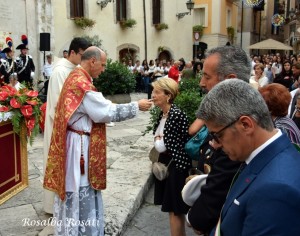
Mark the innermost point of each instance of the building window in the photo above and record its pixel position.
(228, 21)
(76, 8)
(121, 10)
(200, 16)
(156, 12)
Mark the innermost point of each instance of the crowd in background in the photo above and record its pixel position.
(146, 73)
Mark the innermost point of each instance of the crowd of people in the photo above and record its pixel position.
(255, 117)
(252, 112)
(146, 73)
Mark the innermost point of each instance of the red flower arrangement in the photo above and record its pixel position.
(25, 108)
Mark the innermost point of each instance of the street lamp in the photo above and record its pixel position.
(189, 5)
(103, 3)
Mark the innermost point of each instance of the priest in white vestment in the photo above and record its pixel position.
(76, 167)
(61, 71)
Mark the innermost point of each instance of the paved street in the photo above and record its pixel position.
(129, 181)
(150, 221)
(128, 174)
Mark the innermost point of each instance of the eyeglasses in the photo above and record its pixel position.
(217, 135)
(298, 109)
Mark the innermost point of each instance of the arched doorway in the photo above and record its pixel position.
(128, 52)
(164, 56)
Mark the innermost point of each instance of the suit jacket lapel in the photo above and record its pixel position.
(248, 175)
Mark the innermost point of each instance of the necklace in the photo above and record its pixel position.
(165, 115)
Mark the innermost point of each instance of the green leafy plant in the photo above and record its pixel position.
(129, 23)
(84, 22)
(188, 100)
(161, 49)
(154, 114)
(94, 40)
(189, 103)
(198, 28)
(116, 79)
(230, 33)
(161, 26)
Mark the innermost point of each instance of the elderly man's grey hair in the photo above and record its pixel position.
(231, 99)
(233, 60)
(90, 53)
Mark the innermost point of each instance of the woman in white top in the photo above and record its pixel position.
(13, 81)
(276, 66)
(258, 79)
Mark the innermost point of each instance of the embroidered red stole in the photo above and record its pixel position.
(76, 85)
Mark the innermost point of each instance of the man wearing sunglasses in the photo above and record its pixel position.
(264, 197)
(221, 63)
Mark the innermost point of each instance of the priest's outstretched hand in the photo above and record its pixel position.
(144, 104)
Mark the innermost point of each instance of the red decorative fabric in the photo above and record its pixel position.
(76, 85)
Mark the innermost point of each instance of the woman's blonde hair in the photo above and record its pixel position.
(168, 85)
(260, 66)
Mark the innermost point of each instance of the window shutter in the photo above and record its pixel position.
(121, 10)
(124, 9)
(118, 10)
(156, 11)
(76, 8)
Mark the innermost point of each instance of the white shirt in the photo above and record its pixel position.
(293, 93)
(47, 69)
(262, 81)
(263, 146)
(103, 111)
(160, 144)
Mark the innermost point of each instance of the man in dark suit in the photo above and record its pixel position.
(8, 65)
(265, 194)
(25, 66)
(221, 63)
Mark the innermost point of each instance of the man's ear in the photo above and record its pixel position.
(247, 123)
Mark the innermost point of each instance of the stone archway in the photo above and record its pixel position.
(164, 56)
(165, 53)
(128, 52)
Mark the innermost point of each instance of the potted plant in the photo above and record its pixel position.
(198, 28)
(230, 33)
(116, 82)
(197, 31)
(83, 22)
(128, 23)
(161, 26)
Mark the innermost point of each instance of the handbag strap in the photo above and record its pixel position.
(169, 163)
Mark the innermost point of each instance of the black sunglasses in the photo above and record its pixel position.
(217, 135)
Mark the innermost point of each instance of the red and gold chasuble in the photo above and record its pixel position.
(76, 85)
